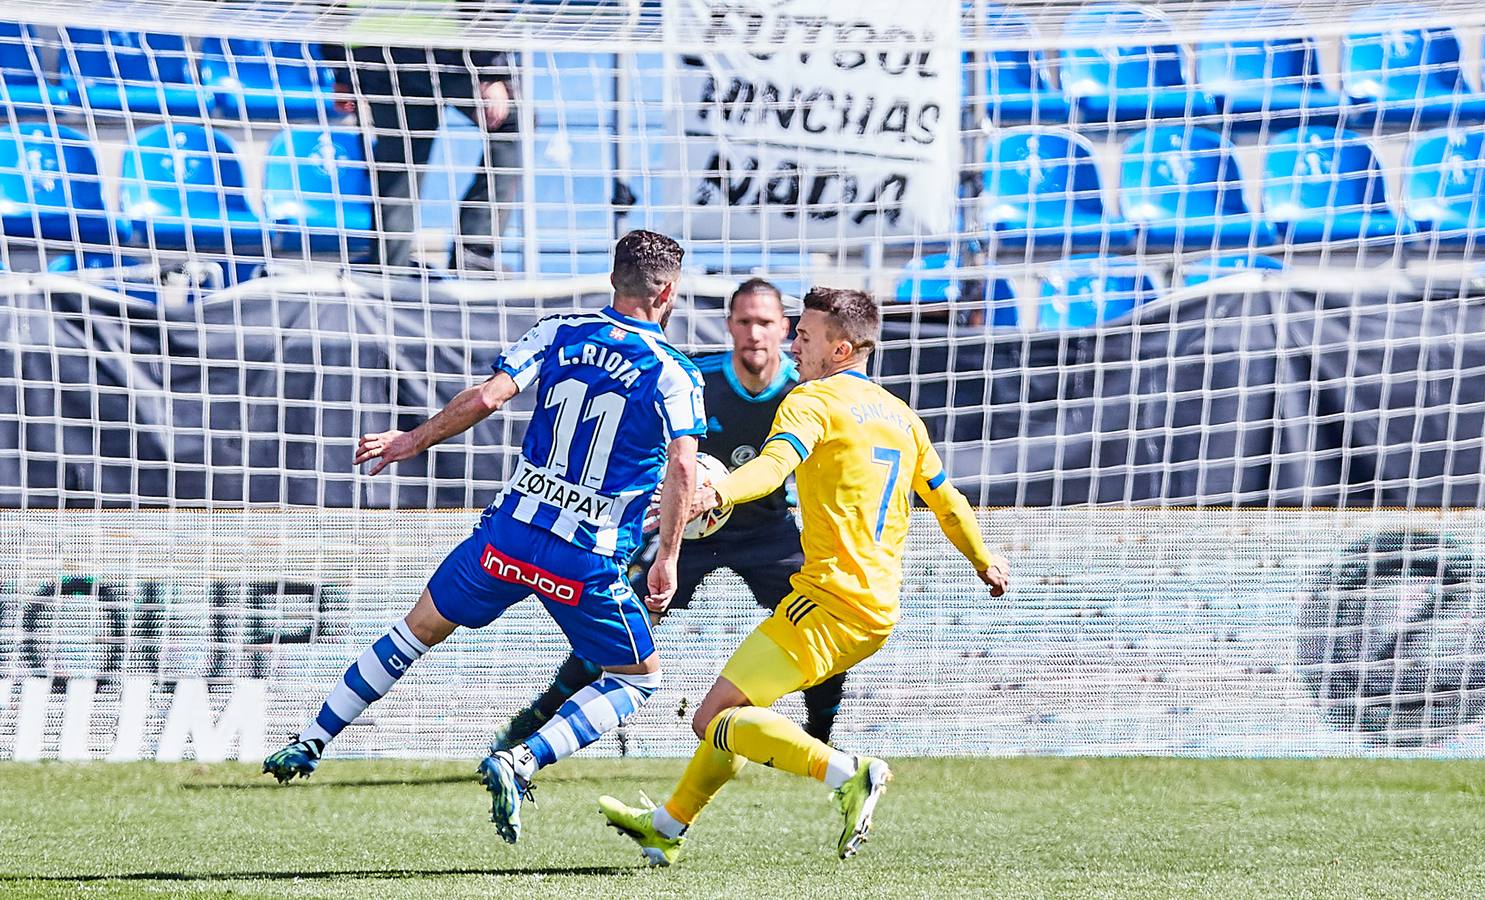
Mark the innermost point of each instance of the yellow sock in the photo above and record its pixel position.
(707, 772)
(766, 737)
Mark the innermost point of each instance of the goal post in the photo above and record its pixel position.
(1186, 294)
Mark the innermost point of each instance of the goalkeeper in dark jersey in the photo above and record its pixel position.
(760, 542)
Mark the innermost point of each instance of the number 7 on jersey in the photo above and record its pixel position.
(892, 459)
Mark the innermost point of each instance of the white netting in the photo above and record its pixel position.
(241, 236)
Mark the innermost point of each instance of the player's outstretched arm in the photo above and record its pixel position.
(753, 480)
(957, 519)
(675, 500)
(469, 407)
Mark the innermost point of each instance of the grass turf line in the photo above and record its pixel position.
(1136, 828)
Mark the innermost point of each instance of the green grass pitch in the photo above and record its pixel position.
(1136, 828)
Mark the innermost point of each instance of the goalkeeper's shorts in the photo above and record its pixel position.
(505, 561)
(799, 646)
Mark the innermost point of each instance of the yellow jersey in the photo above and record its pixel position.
(858, 454)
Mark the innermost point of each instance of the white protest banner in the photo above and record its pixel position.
(811, 120)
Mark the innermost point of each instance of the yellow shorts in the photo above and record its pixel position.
(798, 646)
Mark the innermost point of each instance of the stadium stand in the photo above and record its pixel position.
(1127, 81)
(183, 189)
(267, 81)
(1089, 289)
(572, 200)
(50, 188)
(1405, 75)
(603, 144)
(1042, 187)
(1181, 187)
(317, 192)
(72, 262)
(23, 84)
(1264, 81)
(1443, 186)
(1019, 87)
(934, 278)
(1207, 268)
(1324, 184)
(129, 275)
(787, 267)
(130, 72)
(574, 90)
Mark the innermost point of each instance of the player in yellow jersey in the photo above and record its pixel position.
(858, 454)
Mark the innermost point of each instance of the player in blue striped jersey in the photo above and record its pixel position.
(760, 542)
(616, 407)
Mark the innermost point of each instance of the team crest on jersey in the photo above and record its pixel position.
(616, 333)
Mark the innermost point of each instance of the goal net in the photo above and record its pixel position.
(1185, 293)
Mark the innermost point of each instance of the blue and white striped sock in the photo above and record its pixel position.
(368, 679)
(591, 713)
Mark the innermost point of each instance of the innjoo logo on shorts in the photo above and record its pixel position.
(553, 587)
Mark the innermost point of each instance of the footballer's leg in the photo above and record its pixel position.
(765, 566)
(822, 704)
(459, 593)
(367, 680)
(734, 720)
(713, 764)
(609, 625)
(573, 675)
(576, 673)
(810, 645)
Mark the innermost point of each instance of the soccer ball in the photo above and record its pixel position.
(709, 470)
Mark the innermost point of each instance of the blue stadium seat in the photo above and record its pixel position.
(1042, 187)
(1405, 75)
(23, 86)
(1087, 290)
(269, 81)
(143, 284)
(1018, 83)
(1208, 268)
(1127, 80)
(130, 71)
(1324, 184)
(73, 262)
(317, 191)
(574, 90)
(1181, 187)
(931, 279)
(182, 187)
(50, 188)
(1263, 80)
(1444, 184)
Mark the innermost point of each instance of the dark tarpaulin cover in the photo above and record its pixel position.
(1268, 397)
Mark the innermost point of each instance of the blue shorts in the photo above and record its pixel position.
(505, 561)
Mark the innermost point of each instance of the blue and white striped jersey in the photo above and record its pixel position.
(612, 394)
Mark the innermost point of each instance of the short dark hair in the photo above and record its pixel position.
(644, 263)
(853, 313)
(755, 286)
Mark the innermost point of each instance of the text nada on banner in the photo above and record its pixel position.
(852, 132)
